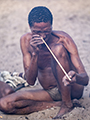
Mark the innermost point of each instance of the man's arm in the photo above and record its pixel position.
(81, 75)
(29, 61)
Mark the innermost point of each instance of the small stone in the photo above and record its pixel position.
(43, 113)
(52, 108)
(27, 118)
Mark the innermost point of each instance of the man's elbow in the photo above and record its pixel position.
(87, 80)
(30, 82)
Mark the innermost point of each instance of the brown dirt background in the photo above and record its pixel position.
(71, 16)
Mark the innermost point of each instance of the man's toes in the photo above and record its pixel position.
(76, 103)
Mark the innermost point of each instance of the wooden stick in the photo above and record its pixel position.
(56, 59)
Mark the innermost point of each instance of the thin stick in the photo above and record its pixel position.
(56, 59)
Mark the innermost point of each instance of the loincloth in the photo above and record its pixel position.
(55, 94)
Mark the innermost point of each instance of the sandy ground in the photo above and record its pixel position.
(71, 16)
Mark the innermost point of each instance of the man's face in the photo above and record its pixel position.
(42, 29)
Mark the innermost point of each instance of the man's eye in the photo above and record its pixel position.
(36, 32)
(46, 31)
(39, 32)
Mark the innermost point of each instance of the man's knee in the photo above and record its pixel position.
(59, 49)
(62, 56)
(61, 53)
(5, 106)
(8, 91)
(5, 89)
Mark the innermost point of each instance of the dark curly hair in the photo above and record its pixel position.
(39, 14)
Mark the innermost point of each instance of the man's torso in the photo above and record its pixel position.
(45, 74)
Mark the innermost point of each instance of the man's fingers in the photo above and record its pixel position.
(36, 41)
(66, 83)
(72, 76)
(64, 79)
(36, 35)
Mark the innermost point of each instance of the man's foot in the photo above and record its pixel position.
(63, 110)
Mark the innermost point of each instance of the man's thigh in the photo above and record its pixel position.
(38, 95)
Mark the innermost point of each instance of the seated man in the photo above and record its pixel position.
(38, 62)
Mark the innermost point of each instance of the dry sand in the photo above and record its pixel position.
(71, 16)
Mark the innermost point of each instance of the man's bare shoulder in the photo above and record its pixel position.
(63, 34)
(25, 37)
(24, 42)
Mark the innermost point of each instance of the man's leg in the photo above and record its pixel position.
(25, 102)
(27, 106)
(76, 91)
(63, 58)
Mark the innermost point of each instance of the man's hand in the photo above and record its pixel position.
(72, 76)
(36, 42)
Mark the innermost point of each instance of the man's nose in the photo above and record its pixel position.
(43, 35)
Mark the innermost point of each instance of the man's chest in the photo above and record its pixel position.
(44, 59)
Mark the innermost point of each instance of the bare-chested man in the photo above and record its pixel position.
(38, 62)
